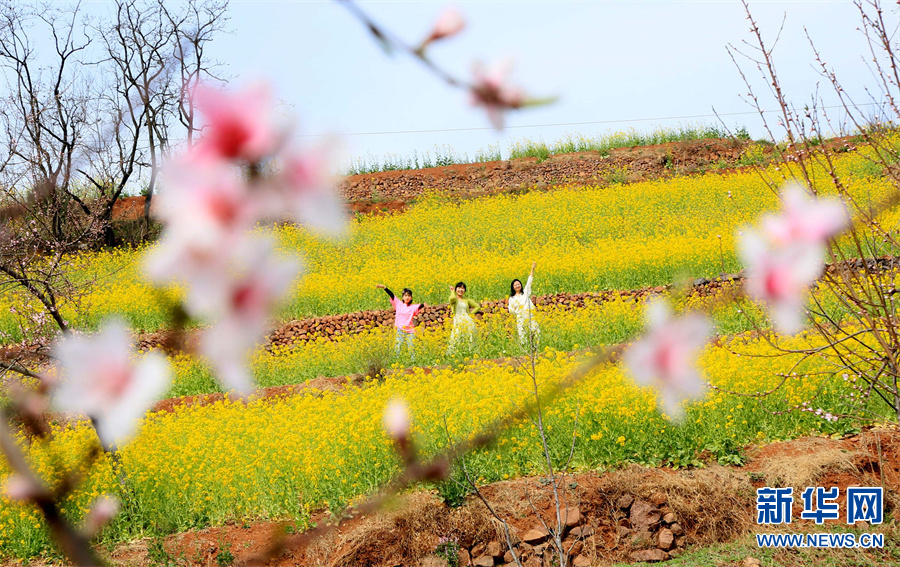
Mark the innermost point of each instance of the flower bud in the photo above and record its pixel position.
(396, 419)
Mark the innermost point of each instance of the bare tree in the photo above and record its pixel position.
(86, 122)
(855, 311)
(159, 54)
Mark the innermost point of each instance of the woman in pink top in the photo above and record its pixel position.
(403, 320)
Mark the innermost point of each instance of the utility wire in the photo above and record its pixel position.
(687, 117)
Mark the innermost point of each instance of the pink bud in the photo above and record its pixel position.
(396, 419)
(448, 24)
(492, 90)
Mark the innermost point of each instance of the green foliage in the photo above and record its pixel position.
(604, 143)
(754, 154)
(444, 155)
(455, 489)
(225, 558)
(157, 554)
(448, 550)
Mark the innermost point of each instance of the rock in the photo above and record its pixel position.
(509, 557)
(862, 525)
(677, 529)
(432, 561)
(581, 561)
(625, 502)
(464, 558)
(643, 538)
(571, 516)
(478, 550)
(670, 518)
(643, 515)
(494, 549)
(750, 562)
(525, 548)
(484, 561)
(659, 498)
(666, 539)
(700, 281)
(582, 531)
(649, 555)
(535, 536)
(575, 548)
(532, 562)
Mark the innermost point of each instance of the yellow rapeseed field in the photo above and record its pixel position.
(584, 238)
(280, 458)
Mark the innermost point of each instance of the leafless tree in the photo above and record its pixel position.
(855, 309)
(86, 121)
(159, 53)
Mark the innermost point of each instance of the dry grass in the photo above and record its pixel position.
(815, 458)
(406, 534)
(714, 504)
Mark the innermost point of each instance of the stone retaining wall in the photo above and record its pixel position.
(333, 326)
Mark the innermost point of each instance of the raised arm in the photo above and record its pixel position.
(452, 300)
(527, 289)
(386, 290)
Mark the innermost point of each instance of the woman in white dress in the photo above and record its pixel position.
(462, 308)
(521, 306)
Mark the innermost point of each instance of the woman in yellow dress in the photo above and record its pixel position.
(462, 308)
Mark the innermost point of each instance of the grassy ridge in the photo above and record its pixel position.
(445, 155)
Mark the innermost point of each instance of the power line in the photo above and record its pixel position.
(688, 117)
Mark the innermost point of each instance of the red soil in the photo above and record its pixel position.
(398, 538)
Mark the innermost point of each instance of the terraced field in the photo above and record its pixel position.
(195, 465)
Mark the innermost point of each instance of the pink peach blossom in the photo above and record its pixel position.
(787, 254)
(239, 125)
(305, 191)
(665, 356)
(102, 512)
(238, 305)
(234, 280)
(491, 90)
(805, 219)
(100, 379)
(20, 488)
(779, 277)
(206, 210)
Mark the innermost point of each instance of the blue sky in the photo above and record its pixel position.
(607, 61)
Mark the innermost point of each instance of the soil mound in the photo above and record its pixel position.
(635, 514)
